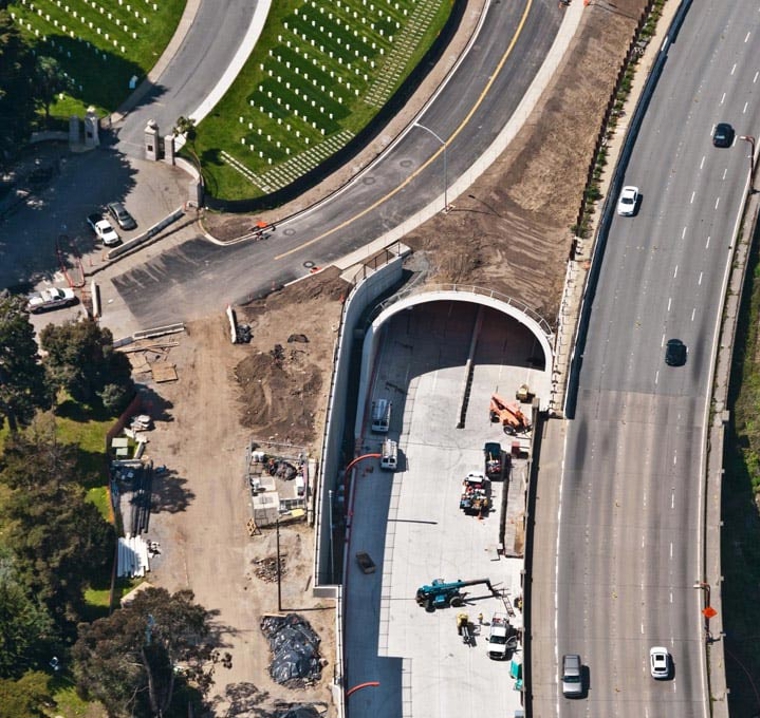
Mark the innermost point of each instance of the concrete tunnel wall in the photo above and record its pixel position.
(374, 333)
(363, 295)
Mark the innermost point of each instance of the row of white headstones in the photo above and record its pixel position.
(121, 25)
(297, 70)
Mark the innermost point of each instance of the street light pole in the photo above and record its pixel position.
(445, 169)
(707, 609)
(751, 140)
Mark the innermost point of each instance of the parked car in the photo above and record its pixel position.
(629, 198)
(366, 564)
(723, 135)
(52, 298)
(123, 218)
(659, 662)
(103, 229)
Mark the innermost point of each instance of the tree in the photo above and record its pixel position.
(28, 696)
(25, 625)
(17, 103)
(58, 538)
(24, 387)
(134, 660)
(82, 360)
(51, 80)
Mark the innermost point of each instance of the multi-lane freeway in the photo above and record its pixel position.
(627, 524)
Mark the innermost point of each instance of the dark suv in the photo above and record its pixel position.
(675, 353)
(119, 212)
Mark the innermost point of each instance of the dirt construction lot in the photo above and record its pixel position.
(515, 239)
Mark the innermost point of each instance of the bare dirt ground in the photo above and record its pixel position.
(517, 242)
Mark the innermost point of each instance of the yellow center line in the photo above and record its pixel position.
(435, 156)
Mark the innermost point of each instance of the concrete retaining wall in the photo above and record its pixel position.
(375, 283)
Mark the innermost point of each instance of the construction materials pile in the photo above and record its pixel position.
(295, 648)
(266, 568)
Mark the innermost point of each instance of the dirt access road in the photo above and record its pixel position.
(514, 238)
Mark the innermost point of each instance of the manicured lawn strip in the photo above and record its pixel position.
(100, 71)
(292, 95)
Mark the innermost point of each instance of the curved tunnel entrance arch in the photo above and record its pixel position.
(517, 318)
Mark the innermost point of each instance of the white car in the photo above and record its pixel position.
(629, 198)
(659, 662)
(103, 229)
(51, 298)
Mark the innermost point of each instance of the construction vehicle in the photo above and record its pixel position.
(389, 455)
(501, 638)
(509, 414)
(440, 594)
(494, 460)
(476, 494)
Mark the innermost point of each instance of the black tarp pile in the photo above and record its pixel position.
(295, 648)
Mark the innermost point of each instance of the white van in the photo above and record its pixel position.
(389, 455)
(381, 416)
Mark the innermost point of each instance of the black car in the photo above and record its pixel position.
(723, 135)
(675, 353)
(123, 218)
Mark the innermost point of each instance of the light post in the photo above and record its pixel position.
(708, 611)
(751, 140)
(445, 169)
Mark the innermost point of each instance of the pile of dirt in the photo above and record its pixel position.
(266, 568)
(283, 379)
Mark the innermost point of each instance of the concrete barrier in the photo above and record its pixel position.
(145, 236)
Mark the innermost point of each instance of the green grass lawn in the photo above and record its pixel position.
(320, 72)
(100, 45)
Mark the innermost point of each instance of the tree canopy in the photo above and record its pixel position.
(58, 538)
(82, 360)
(17, 87)
(134, 660)
(23, 385)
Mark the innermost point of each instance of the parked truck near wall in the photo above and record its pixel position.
(389, 455)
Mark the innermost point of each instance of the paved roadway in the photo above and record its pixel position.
(198, 64)
(468, 111)
(411, 525)
(630, 532)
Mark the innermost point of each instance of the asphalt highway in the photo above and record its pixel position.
(468, 113)
(626, 555)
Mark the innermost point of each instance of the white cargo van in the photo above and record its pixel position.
(389, 455)
(381, 416)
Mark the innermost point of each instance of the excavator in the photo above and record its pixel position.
(509, 414)
(440, 594)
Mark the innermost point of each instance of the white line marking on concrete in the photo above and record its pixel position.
(683, 233)
(671, 549)
(670, 299)
(675, 272)
(733, 69)
(662, 343)
(754, 79)
(717, 202)
(708, 243)
(675, 459)
(702, 163)
(725, 172)
(657, 377)
(693, 194)
(723, 99)
(746, 39)
(744, 111)
(693, 313)
(672, 500)
(700, 278)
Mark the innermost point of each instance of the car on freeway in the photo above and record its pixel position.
(723, 135)
(50, 298)
(629, 198)
(123, 218)
(659, 662)
(103, 229)
(675, 352)
(572, 676)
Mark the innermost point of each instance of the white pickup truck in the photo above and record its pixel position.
(498, 636)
